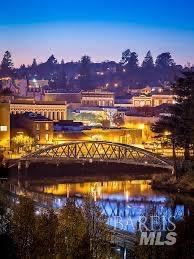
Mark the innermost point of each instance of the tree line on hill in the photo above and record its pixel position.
(108, 75)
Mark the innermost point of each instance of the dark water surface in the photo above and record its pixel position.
(123, 195)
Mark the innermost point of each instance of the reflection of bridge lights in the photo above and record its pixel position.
(68, 190)
(127, 196)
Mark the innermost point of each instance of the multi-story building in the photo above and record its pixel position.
(4, 125)
(143, 123)
(97, 98)
(93, 116)
(145, 90)
(69, 97)
(52, 110)
(35, 125)
(124, 136)
(152, 100)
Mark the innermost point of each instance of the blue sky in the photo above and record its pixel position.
(101, 29)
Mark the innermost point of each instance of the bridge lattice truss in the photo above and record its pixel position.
(98, 151)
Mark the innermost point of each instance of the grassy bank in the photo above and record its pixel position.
(169, 183)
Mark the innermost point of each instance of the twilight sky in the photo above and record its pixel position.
(101, 29)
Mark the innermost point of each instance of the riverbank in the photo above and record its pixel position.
(170, 184)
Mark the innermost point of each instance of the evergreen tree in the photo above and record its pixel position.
(85, 73)
(148, 62)
(34, 63)
(180, 121)
(148, 70)
(184, 92)
(164, 61)
(34, 68)
(22, 72)
(125, 57)
(7, 68)
(52, 60)
(129, 60)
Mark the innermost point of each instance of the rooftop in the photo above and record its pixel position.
(35, 117)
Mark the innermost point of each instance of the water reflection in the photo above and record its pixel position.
(122, 201)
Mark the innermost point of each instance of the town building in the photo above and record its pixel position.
(55, 111)
(34, 125)
(143, 123)
(4, 125)
(93, 116)
(97, 98)
(8, 83)
(145, 90)
(68, 97)
(152, 100)
(123, 136)
(37, 84)
(68, 125)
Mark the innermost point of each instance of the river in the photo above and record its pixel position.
(123, 197)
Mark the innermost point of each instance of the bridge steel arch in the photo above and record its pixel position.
(97, 151)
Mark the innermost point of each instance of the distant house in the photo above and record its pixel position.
(152, 100)
(97, 98)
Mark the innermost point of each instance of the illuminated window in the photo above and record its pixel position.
(47, 137)
(37, 126)
(3, 128)
(47, 126)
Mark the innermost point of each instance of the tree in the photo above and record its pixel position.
(21, 141)
(125, 57)
(52, 60)
(50, 68)
(60, 78)
(83, 232)
(85, 73)
(97, 235)
(166, 128)
(148, 62)
(34, 63)
(184, 109)
(22, 72)
(23, 227)
(46, 229)
(180, 121)
(105, 124)
(71, 231)
(7, 246)
(7, 68)
(130, 60)
(34, 68)
(164, 61)
(118, 120)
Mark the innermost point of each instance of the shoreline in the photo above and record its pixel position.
(182, 186)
